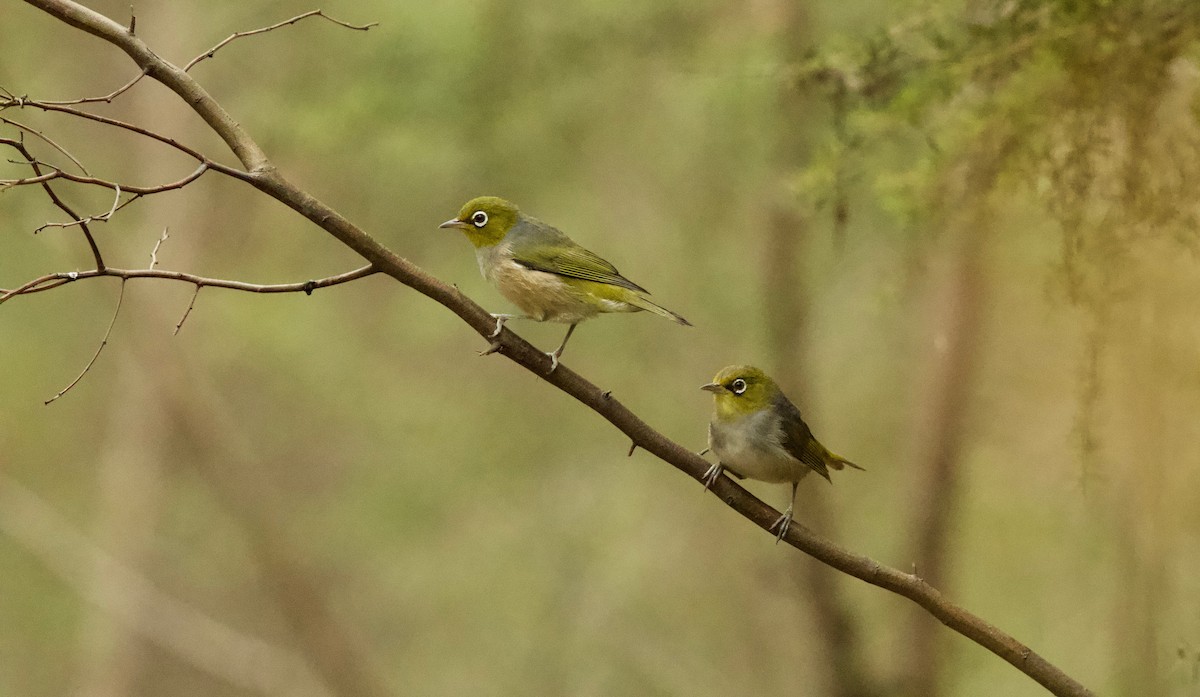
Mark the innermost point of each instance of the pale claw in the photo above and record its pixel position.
(784, 522)
(491, 349)
(500, 320)
(712, 475)
(553, 361)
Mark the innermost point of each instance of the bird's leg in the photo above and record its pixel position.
(712, 474)
(785, 520)
(558, 351)
(500, 320)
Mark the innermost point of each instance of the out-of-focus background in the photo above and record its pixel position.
(963, 235)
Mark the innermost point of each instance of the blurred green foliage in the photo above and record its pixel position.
(482, 533)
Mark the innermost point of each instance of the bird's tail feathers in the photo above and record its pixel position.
(838, 462)
(639, 300)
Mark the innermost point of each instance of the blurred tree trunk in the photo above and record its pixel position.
(943, 392)
(944, 386)
(834, 631)
(227, 458)
(1136, 506)
(130, 489)
(131, 471)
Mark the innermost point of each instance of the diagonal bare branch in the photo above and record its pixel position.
(42, 136)
(102, 217)
(268, 179)
(10, 101)
(103, 343)
(19, 146)
(187, 312)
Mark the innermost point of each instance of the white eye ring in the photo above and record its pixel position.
(739, 386)
(479, 219)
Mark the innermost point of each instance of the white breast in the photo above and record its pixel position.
(543, 296)
(753, 447)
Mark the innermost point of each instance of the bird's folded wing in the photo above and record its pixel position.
(571, 260)
(798, 439)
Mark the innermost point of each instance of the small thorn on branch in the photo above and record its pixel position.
(632, 447)
(132, 21)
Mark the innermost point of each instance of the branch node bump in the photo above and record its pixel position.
(308, 287)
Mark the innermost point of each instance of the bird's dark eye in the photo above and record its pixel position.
(479, 219)
(738, 386)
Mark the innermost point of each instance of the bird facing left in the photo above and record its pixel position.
(546, 274)
(757, 432)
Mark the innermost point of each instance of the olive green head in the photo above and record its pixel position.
(740, 390)
(485, 220)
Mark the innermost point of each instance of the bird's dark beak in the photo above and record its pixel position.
(713, 387)
(455, 222)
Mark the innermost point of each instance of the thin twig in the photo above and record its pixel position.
(19, 146)
(11, 100)
(91, 100)
(38, 134)
(101, 218)
(56, 173)
(54, 280)
(242, 34)
(188, 311)
(103, 343)
(154, 252)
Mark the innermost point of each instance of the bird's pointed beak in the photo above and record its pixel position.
(713, 387)
(454, 222)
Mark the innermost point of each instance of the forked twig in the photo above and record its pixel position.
(19, 146)
(242, 34)
(101, 218)
(106, 98)
(42, 136)
(56, 173)
(53, 280)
